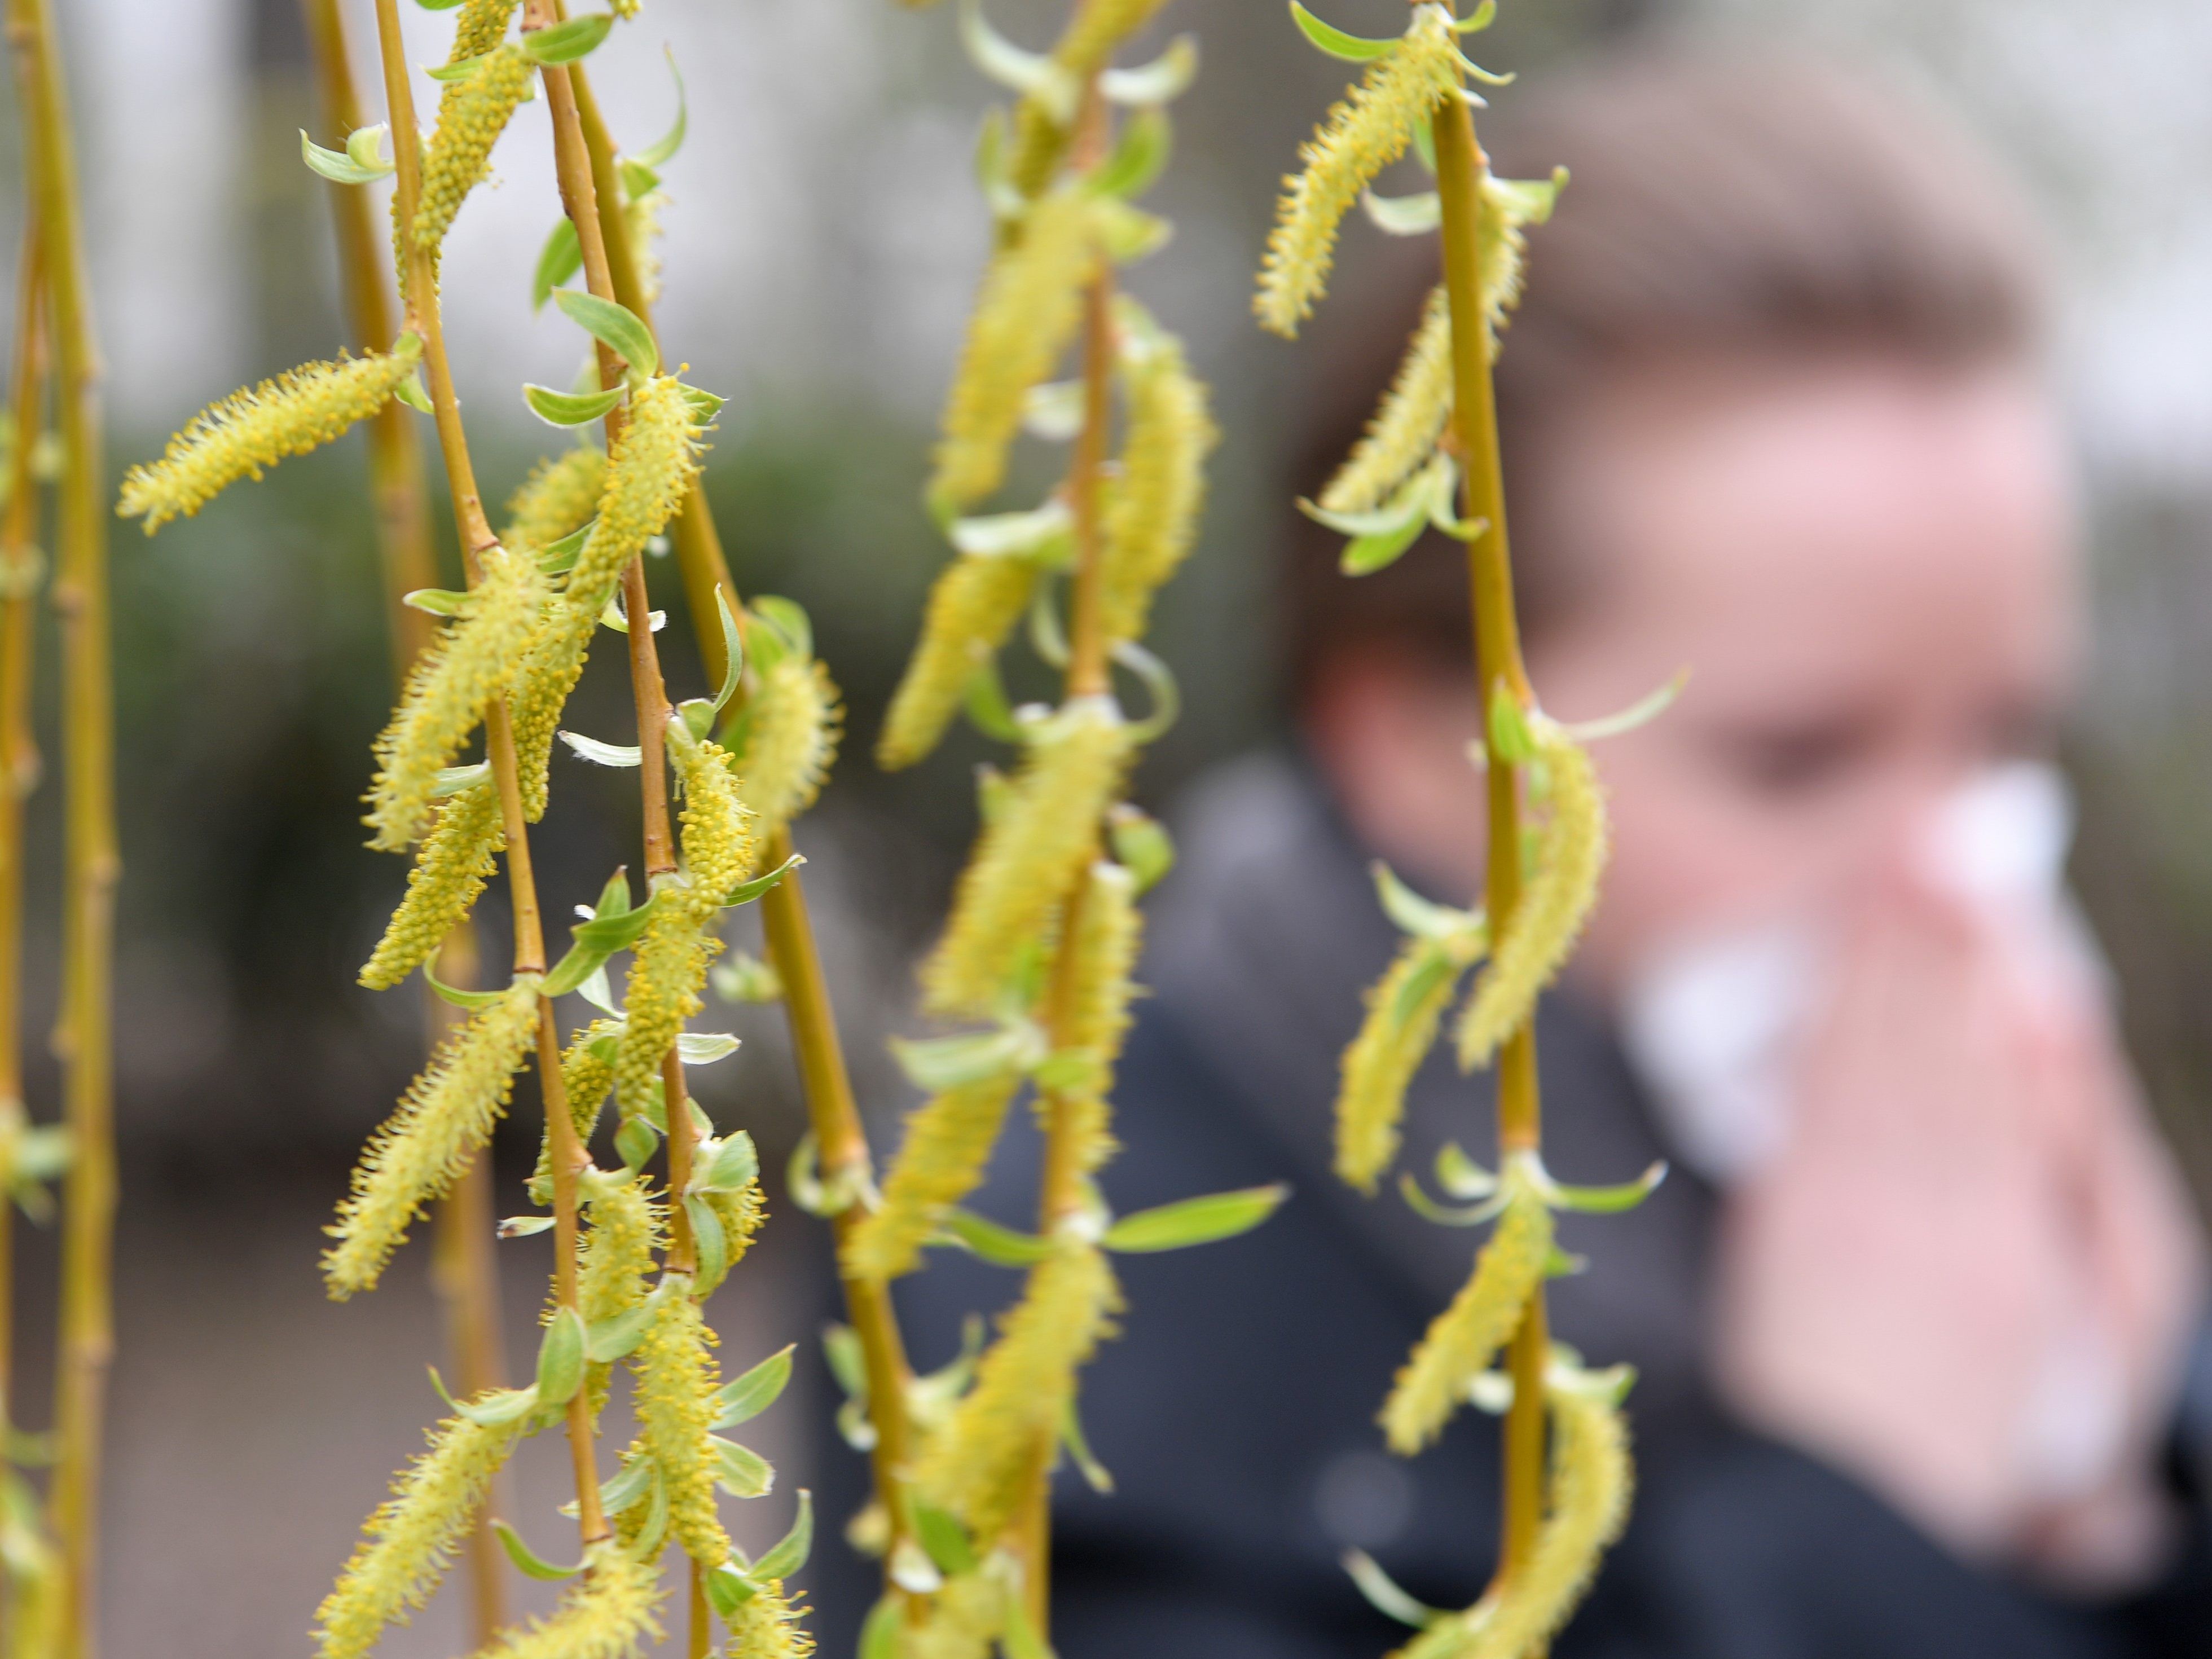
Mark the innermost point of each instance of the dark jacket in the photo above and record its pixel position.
(1237, 1410)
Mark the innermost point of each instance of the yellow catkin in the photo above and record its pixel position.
(617, 1257)
(1084, 48)
(974, 606)
(451, 867)
(948, 1143)
(1029, 856)
(965, 1618)
(587, 1076)
(607, 1614)
(742, 1213)
(667, 970)
(1545, 924)
(557, 499)
(642, 217)
(252, 429)
(676, 1377)
(479, 25)
(1404, 432)
(441, 1121)
(645, 478)
(980, 1463)
(765, 1625)
(1154, 517)
(1507, 205)
(452, 685)
(1360, 137)
(793, 721)
(470, 121)
(721, 837)
(1026, 313)
(1101, 955)
(1381, 1059)
(408, 1543)
(1591, 1484)
(1462, 1340)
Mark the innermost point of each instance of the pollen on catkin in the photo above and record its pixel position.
(973, 607)
(587, 1076)
(979, 1465)
(676, 1377)
(793, 723)
(617, 1257)
(557, 499)
(948, 1142)
(1030, 303)
(1411, 418)
(1463, 1338)
(1591, 1483)
(451, 686)
(255, 428)
(445, 1116)
(1029, 856)
(610, 1613)
(965, 1618)
(1507, 205)
(667, 970)
(1381, 1061)
(1361, 137)
(1153, 518)
(1101, 954)
(451, 867)
(480, 25)
(547, 674)
(1541, 932)
(765, 1625)
(742, 1214)
(642, 215)
(720, 838)
(469, 120)
(408, 1543)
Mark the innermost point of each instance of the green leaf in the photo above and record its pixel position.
(1511, 740)
(748, 1396)
(790, 1551)
(437, 601)
(437, 5)
(569, 408)
(602, 754)
(1095, 1473)
(618, 1338)
(1351, 48)
(1160, 683)
(337, 166)
(1128, 233)
(1031, 72)
(1382, 1593)
(985, 700)
(705, 1047)
(561, 1358)
(1052, 411)
(1195, 1220)
(560, 258)
(787, 621)
(409, 392)
(743, 977)
(1460, 1175)
(1141, 844)
(746, 892)
(523, 1226)
(557, 558)
(526, 1560)
(638, 181)
(564, 43)
(1425, 143)
(934, 1064)
(708, 1242)
(1606, 1201)
(735, 1164)
(733, 654)
(1525, 201)
(635, 1143)
(1365, 555)
(1478, 19)
(1642, 712)
(1412, 913)
(663, 149)
(1443, 1214)
(628, 1484)
(729, 1589)
(941, 1534)
(1436, 965)
(1160, 81)
(1020, 1639)
(705, 405)
(841, 1346)
(460, 998)
(496, 1406)
(614, 327)
(1139, 156)
(1044, 533)
(1404, 216)
(739, 1470)
(457, 779)
(459, 70)
(1001, 1246)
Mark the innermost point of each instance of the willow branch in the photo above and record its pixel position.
(1460, 165)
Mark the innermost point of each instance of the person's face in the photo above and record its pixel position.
(1868, 571)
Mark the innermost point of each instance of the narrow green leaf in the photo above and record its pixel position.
(523, 1226)
(1010, 66)
(1460, 1175)
(1412, 913)
(747, 1396)
(437, 601)
(458, 70)
(733, 654)
(1044, 533)
(1139, 155)
(729, 1589)
(1365, 555)
(614, 327)
(411, 392)
(337, 165)
(1020, 1639)
(460, 998)
(1141, 844)
(948, 1062)
(569, 408)
(1160, 81)
(1445, 1215)
(1001, 1246)
(663, 149)
(1382, 1593)
(788, 620)
(985, 701)
(733, 1166)
(562, 258)
(1642, 712)
(945, 1538)
(561, 1358)
(364, 147)
(746, 892)
(496, 1406)
(705, 1047)
(527, 1561)
(708, 1242)
(1351, 48)
(454, 780)
(1606, 1201)
(1436, 965)
(739, 1470)
(565, 42)
(635, 1143)
(1095, 1473)
(1404, 216)
(603, 754)
(1510, 739)
(790, 1551)
(1195, 1220)
(626, 1485)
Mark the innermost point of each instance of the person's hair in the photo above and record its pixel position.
(1720, 206)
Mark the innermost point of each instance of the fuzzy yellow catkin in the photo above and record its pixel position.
(1361, 137)
(616, 1256)
(451, 686)
(765, 1625)
(1543, 927)
(444, 1118)
(646, 477)
(794, 721)
(479, 25)
(742, 1214)
(667, 970)
(1591, 1483)
(721, 837)
(974, 606)
(1101, 952)
(1040, 136)
(1029, 856)
(1024, 316)
(469, 123)
(677, 1378)
(1404, 431)
(642, 217)
(1381, 1061)
(980, 1464)
(255, 428)
(948, 1142)
(408, 1543)
(1153, 518)
(451, 867)
(965, 1618)
(557, 499)
(609, 1612)
(1482, 1319)
(586, 1078)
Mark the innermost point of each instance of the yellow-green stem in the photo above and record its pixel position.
(91, 866)
(566, 1155)
(832, 1112)
(1460, 165)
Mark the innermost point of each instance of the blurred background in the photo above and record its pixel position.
(820, 252)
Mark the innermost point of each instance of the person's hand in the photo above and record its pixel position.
(1967, 1279)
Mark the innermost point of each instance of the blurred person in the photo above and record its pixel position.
(1917, 1316)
